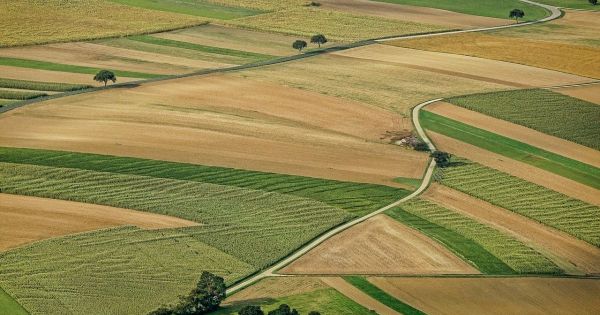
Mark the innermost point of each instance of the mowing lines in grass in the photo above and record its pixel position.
(549, 112)
(192, 7)
(558, 164)
(572, 216)
(356, 198)
(381, 296)
(518, 256)
(44, 65)
(41, 86)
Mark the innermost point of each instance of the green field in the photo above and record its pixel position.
(191, 7)
(41, 86)
(536, 202)
(4, 102)
(356, 198)
(518, 256)
(560, 165)
(20, 95)
(490, 8)
(43, 65)
(373, 291)
(549, 112)
(575, 4)
(10, 306)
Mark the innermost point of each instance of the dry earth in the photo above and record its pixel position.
(19, 73)
(519, 169)
(535, 138)
(26, 219)
(590, 93)
(380, 245)
(358, 296)
(411, 13)
(222, 120)
(464, 66)
(496, 295)
(571, 254)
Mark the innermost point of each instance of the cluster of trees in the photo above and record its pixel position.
(283, 309)
(593, 2)
(442, 159)
(203, 299)
(318, 39)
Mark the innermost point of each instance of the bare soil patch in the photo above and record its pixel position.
(590, 93)
(496, 295)
(571, 254)
(519, 169)
(358, 296)
(380, 245)
(535, 138)
(222, 120)
(19, 73)
(26, 219)
(465, 66)
(412, 13)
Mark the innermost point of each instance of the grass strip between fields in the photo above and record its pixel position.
(208, 49)
(9, 306)
(41, 86)
(560, 165)
(373, 291)
(464, 247)
(50, 66)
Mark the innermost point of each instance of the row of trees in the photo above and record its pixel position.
(318, 39)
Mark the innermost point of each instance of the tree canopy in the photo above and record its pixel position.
(105, 76)
(516, 14)
(318, 39)
(442, 159)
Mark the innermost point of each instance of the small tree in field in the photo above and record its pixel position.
(105, 76)
(593, 2)
(442, 159)
(516, 14)
(318, 39)
(299, 44)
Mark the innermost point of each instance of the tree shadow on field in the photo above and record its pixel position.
(124, 86)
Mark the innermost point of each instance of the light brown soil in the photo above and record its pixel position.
(276, 287)
(358, 296)
(535, 138)
(380, 245)
(590, 93)
(519, 169)
(465, 66)
(496, 295)
(222, 120)
(19, 73)
(571, 254)
(412, 13)
(27, 219)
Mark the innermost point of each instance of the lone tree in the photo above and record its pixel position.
(318, 39)
(251, 310)
(203, 299)
(105, 76)
(442, 159)
(299, 44)
(593, 2)
(516, 14)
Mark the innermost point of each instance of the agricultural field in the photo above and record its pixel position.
(590, 93)
(575, 4)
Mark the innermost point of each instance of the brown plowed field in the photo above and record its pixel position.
(569, 253)
(464, 66)
(535, 138)
(19, 73)
(495, 295)
(27, 219)
(519, 169)
(380, 245)
(222, 120)
(590, 93)
(358, 296)
(412, 13)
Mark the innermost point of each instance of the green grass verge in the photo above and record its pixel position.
(549, 112)
(208, 49)
(569, 215)
(43, 65)
(9, 306)
(356, 198)
(192, 7)
(41, 86)
(574, 4)
(114, 271)
(490, 8)
(464, 247)
(560, 165)
(20, 95)
(381, 296)
(518, 256)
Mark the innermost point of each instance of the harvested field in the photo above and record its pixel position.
(358, 296)
(197, 8)
(220, 120)
(590, 93)
(522, 170)
(27, 219)
(495, 295)
(464, 66)
(277, 287)
(535, 138)
(18, 73)
(412, 13)
(379, 245)
(571, 254)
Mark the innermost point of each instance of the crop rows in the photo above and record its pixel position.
(41, 86)
(512, 252)
(546, 111)
(572, 216)
(20, 95)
